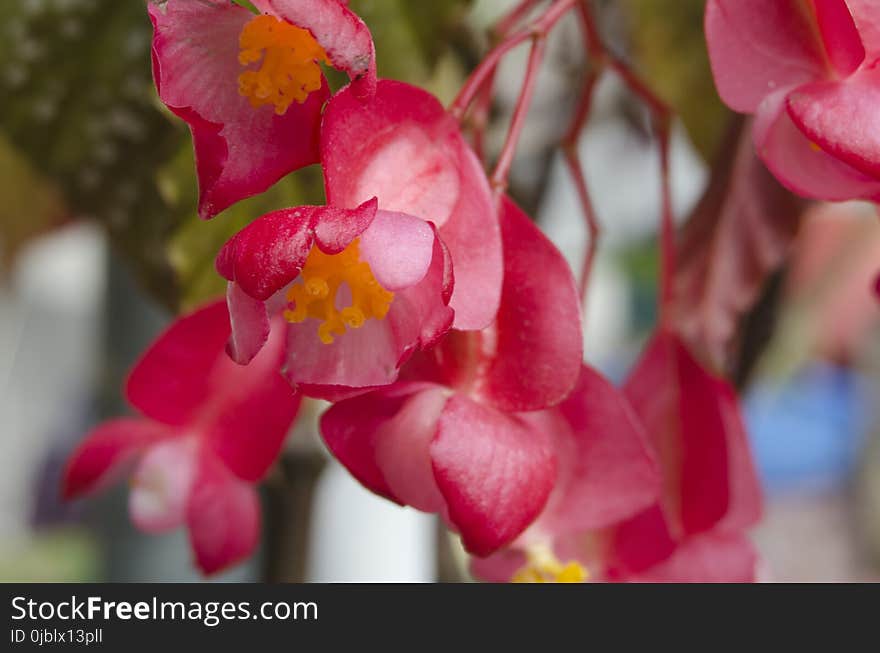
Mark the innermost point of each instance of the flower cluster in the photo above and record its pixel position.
(441, 323)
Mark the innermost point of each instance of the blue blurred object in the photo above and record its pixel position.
(807, 434)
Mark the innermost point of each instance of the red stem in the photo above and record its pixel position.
(661, 118)
(520, 114)
(479, 117)
(538, 29)
(575, 167)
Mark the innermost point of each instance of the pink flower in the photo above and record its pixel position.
(359, 290)
(403, 148)
(808, 70)
(462, 434)
(710, 494)
(251, 87)
(210, 429)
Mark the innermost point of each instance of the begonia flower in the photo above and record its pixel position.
(403, 148)
(251, 86)
(359, 292)
(462, 434)
(808, 71)
(710, 493)
(208, 431)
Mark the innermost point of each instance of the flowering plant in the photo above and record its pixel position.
(440, 322)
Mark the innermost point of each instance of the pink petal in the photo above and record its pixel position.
(343, 35)
(867, 18)
(403, 450)
(405, 149)
(535, 359)
(107, 452)
(757, 47)
(494, 470)
(352, 429)
(240, 151)
(269, 253)
(223, 516)
(498, 567)
(251, 410)
(360, 358)
(640, 543)
(841, 117)
(161, 485)
(422, 311)
(712, 558)
(840, 36)
(398, 248)
(801, 167)
(606, 471)
(695, 425)
(171, 381)
(250, 324)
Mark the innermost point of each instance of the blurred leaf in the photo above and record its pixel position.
(31, 205)
(739, 233)
(670, 51)
(66, 555)
(411, 36)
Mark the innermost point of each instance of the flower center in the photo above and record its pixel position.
(544, 567)
(321, 278)
(288, 59)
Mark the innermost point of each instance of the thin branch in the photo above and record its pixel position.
(520, 114)
(575, 167)
(538, 29)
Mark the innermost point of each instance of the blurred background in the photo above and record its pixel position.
(100, 245)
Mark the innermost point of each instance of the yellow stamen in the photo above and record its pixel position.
(544, 567)
(314, 295)
(288, 56)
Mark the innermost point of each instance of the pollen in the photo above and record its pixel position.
(325, 281)
(544, 567)
(282, 61)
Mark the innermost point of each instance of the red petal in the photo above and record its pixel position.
(353, 429)
(405, 149)
(535, 359)
(251, 410)
(800, 165)
(758, 47)
(867, 17)
(694, 422)
(268, 254)
(606, 471)
(495, 471)
(223, 516)
(841, 117)
(171, 381)
(250, 324)
(712, 558)
(106, 452)
(840, 36)
(240, 151)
